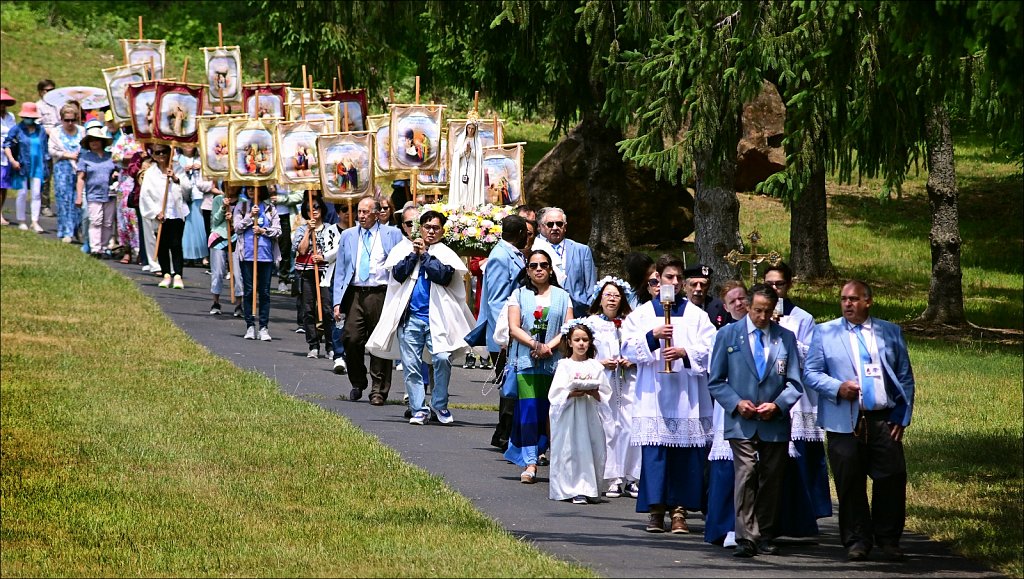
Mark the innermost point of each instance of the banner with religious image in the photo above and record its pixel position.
(141, 101)
(177, 106)
(213, 144)
(316, 111)
(252, 151)
(294, 96)
(145, 52)
(117, 79)
(437, 179)
(346, 165)
(416, 137)
(271, 100)
(503, 174)
(296, 140)
(223, 74)
(353, 103)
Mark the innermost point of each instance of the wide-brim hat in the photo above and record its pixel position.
(29, 111)
(6, 98)
(96, 130)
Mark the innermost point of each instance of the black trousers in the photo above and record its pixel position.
(316, 332)
(853, 458)
(169, 253)
(506, 406)
(363, 307)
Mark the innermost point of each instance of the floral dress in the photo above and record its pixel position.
(69, 216)
(127, 221)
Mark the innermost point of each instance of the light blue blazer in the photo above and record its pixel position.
(503, 266)
(580, 274)
(733, 377)
(345, 270)
(831, 361)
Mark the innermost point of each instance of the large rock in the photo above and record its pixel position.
(661, 213)
(759, 153)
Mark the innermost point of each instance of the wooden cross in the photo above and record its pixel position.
(753, 258)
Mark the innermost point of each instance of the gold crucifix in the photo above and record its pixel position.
(753, 258)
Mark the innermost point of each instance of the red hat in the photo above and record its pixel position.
(29, 111)
(6, 98)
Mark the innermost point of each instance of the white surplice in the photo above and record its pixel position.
(579, 430)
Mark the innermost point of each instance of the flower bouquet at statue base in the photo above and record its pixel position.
(471, 232)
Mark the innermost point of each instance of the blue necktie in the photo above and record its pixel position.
(364, 256)
(867, 384)
(759, 353)
(558, 249)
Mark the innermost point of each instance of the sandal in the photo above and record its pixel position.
(126, 259)
(528, 477)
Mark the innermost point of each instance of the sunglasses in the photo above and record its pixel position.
(539, 265)
(652, 282)
(69, 120)
(409, 223)
(161, 153)
(555, 223)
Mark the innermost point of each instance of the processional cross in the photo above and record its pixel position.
(753, 258)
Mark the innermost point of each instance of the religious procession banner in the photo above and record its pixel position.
(253, 156)
(271, 99)
(503, 174)
(293, 95)
(316, 111)
(223, 74)
(300, 165)
(415, 137)
(145, 52)
(353, 103)
(117, 80)
(213, 144)
(346, 165)
(141, 100)
(437, 179)
(177, 107)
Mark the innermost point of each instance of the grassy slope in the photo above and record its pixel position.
(128, 449)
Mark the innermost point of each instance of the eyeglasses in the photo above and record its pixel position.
(612, 296)
(161, 153)
(652, 282)
(539, 265)
(431, 227)
(69, 120)
(776, 283)
(409, 223)
(554, 224)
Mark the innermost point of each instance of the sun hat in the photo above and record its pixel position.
(29, 111)
(95, 130)
(6, 98)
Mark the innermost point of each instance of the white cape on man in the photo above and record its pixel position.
(450, 317)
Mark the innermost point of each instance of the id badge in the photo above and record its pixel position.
(873, 370)
(780, 367)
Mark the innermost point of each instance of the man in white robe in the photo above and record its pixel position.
(425, 315)
(672, 413)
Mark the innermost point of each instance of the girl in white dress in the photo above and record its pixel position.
(579, 419)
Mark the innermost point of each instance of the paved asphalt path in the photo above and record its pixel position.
(608, 537)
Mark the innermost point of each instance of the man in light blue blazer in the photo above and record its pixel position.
(860, 369)
(360, 284)
(573, 262)
(755, 377)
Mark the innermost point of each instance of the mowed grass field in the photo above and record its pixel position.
(127, 449)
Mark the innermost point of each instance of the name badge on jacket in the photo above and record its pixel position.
(780, 366)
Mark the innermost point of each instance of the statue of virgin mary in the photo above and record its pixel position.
(466, 184)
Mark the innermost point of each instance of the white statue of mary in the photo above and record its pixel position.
(466, 184)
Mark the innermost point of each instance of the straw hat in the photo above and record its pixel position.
(6, 98)
(95, 130)
(29, 111)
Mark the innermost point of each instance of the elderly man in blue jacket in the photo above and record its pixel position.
(573, 262)
(860, 369)
(755, 377)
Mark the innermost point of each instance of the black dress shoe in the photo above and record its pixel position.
(542, 460)
(857, 552)
(744, 548)
(892, 553)
(768, 547)
(355, 394)
(376, 400)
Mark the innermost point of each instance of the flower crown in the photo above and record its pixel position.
(624, 286)
(568, 326)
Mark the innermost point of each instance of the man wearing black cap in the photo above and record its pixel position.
(696, 287)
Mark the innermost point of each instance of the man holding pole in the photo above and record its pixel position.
(360, 283)
(671, 345)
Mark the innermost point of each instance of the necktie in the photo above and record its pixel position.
(364, 256)
(867, 384)
(558, 249)
(759, 353)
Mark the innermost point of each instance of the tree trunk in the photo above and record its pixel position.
(716, 217)
(609, 239)
(946, 293)
(808, 231)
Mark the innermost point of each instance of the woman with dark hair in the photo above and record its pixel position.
(639, 273)
(609, 306)
(315, 245)
(536, 313)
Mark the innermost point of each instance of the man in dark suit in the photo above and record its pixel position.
(696, 286)
(860, 369)
(755, 377)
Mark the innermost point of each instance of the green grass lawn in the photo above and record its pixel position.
(130, 450)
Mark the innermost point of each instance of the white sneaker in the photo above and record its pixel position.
(313, 354)
(340, 367)
(23, 227)
(166, 281)
(633, 490)
(281, 287)
(37, 228)
(65, 239)
(730, 540)
(614, 491)
(178, 283)
(145, 268)
(444, 416)
(264, 335)
(250, 333)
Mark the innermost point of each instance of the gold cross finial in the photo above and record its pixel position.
(753, 258)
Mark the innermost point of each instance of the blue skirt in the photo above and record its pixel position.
(671, 477)
(193, 241)
(721, 515)
(805, 492)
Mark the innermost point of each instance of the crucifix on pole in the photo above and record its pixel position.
(753, 258)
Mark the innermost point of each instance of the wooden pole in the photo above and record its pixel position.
(351, 220)
(255, 249)
(302, 104)
(220, 35)
(140, 28)
(417, 90)
(184, 71)
(152, 67)
(476, 101)
(391, 91)
(334, 84)
(220, 93)
(266, 71)
(231, 257)
(304, 86)
(163, 207)
(344, 121)
(316, 267)
(341, 80)
(312, 94)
